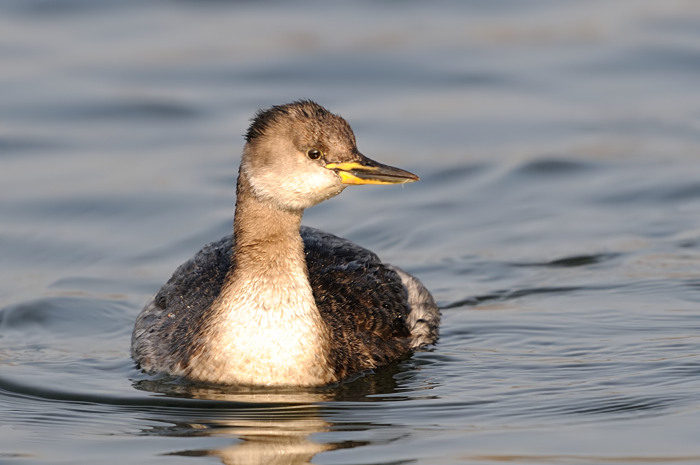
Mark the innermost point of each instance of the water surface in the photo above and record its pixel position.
(557, 223)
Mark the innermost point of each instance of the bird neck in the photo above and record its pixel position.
(267, 328)
(265, 235)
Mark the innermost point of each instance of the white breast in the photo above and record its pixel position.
(270, 334)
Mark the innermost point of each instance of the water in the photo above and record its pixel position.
(557, 222)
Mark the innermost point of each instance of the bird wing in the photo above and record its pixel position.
(363, 302)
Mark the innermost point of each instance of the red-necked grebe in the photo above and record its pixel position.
(278, 303)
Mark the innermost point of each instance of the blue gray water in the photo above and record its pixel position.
(557, 222)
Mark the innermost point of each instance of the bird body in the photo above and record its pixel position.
(277, 303)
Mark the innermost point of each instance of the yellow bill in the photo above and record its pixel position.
(366, 171)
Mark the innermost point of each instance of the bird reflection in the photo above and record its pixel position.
(268, 426)
(275, 442)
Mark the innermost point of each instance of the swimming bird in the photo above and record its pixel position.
(277, 303)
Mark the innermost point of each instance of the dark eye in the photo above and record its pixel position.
(314, 154)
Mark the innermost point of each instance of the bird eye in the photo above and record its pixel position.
(314, 154)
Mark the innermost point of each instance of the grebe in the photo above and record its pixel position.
(277, 303)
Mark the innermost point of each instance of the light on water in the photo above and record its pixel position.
(557, 222)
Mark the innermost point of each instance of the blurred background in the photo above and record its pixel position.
(557, 222)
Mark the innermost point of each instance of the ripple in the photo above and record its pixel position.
(22, 146)
(620, 404)
(510, 294)
(161, 110)
(553, 167)
(645, 193)
(574, 261)
(65, 315)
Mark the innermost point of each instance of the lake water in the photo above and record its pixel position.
(557, 223)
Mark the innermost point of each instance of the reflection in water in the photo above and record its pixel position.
(269, 425)
(274, 442)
